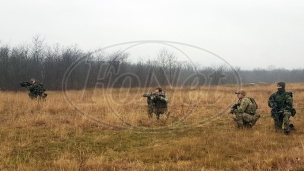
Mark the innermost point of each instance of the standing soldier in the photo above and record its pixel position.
(37, 90)
(245, 110)
(281, 104)
(157, 103)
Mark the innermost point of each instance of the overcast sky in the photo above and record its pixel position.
(244, 33)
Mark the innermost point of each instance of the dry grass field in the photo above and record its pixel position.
(108, 129)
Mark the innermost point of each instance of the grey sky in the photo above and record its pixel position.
(248, 34)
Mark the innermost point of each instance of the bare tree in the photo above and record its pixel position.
(169, 66)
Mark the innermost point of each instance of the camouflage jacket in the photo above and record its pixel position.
(243, 105)
(160, 101)
(37, 88)
(280, 101)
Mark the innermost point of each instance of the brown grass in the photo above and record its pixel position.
(108, 129)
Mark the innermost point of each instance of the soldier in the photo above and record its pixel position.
(37, 90)
(281, 104)
(157, 103)
(245, 111)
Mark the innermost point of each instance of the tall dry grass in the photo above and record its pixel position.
(108, 129)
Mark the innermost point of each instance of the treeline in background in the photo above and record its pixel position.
(70, 67)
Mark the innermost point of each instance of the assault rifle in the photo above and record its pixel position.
(275, 113)
(25, 84)
(153, 95)
(274, 103)
(233, 107)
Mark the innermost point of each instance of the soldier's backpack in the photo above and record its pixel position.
(252, 107)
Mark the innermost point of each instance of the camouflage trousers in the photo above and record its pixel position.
(157, 111)
(281, 120)
(245, 119)
(37, 96)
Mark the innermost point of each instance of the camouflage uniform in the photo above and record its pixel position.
(245, 111)
(157, 104)
(36, 90)
(281, 103)
(244, 117)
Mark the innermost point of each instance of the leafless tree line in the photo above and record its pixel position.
(72, 68)
(259, 75)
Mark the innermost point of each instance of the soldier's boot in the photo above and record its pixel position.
(255, 118)
(291, 127)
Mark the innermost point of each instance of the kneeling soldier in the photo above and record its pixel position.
(245, 110)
